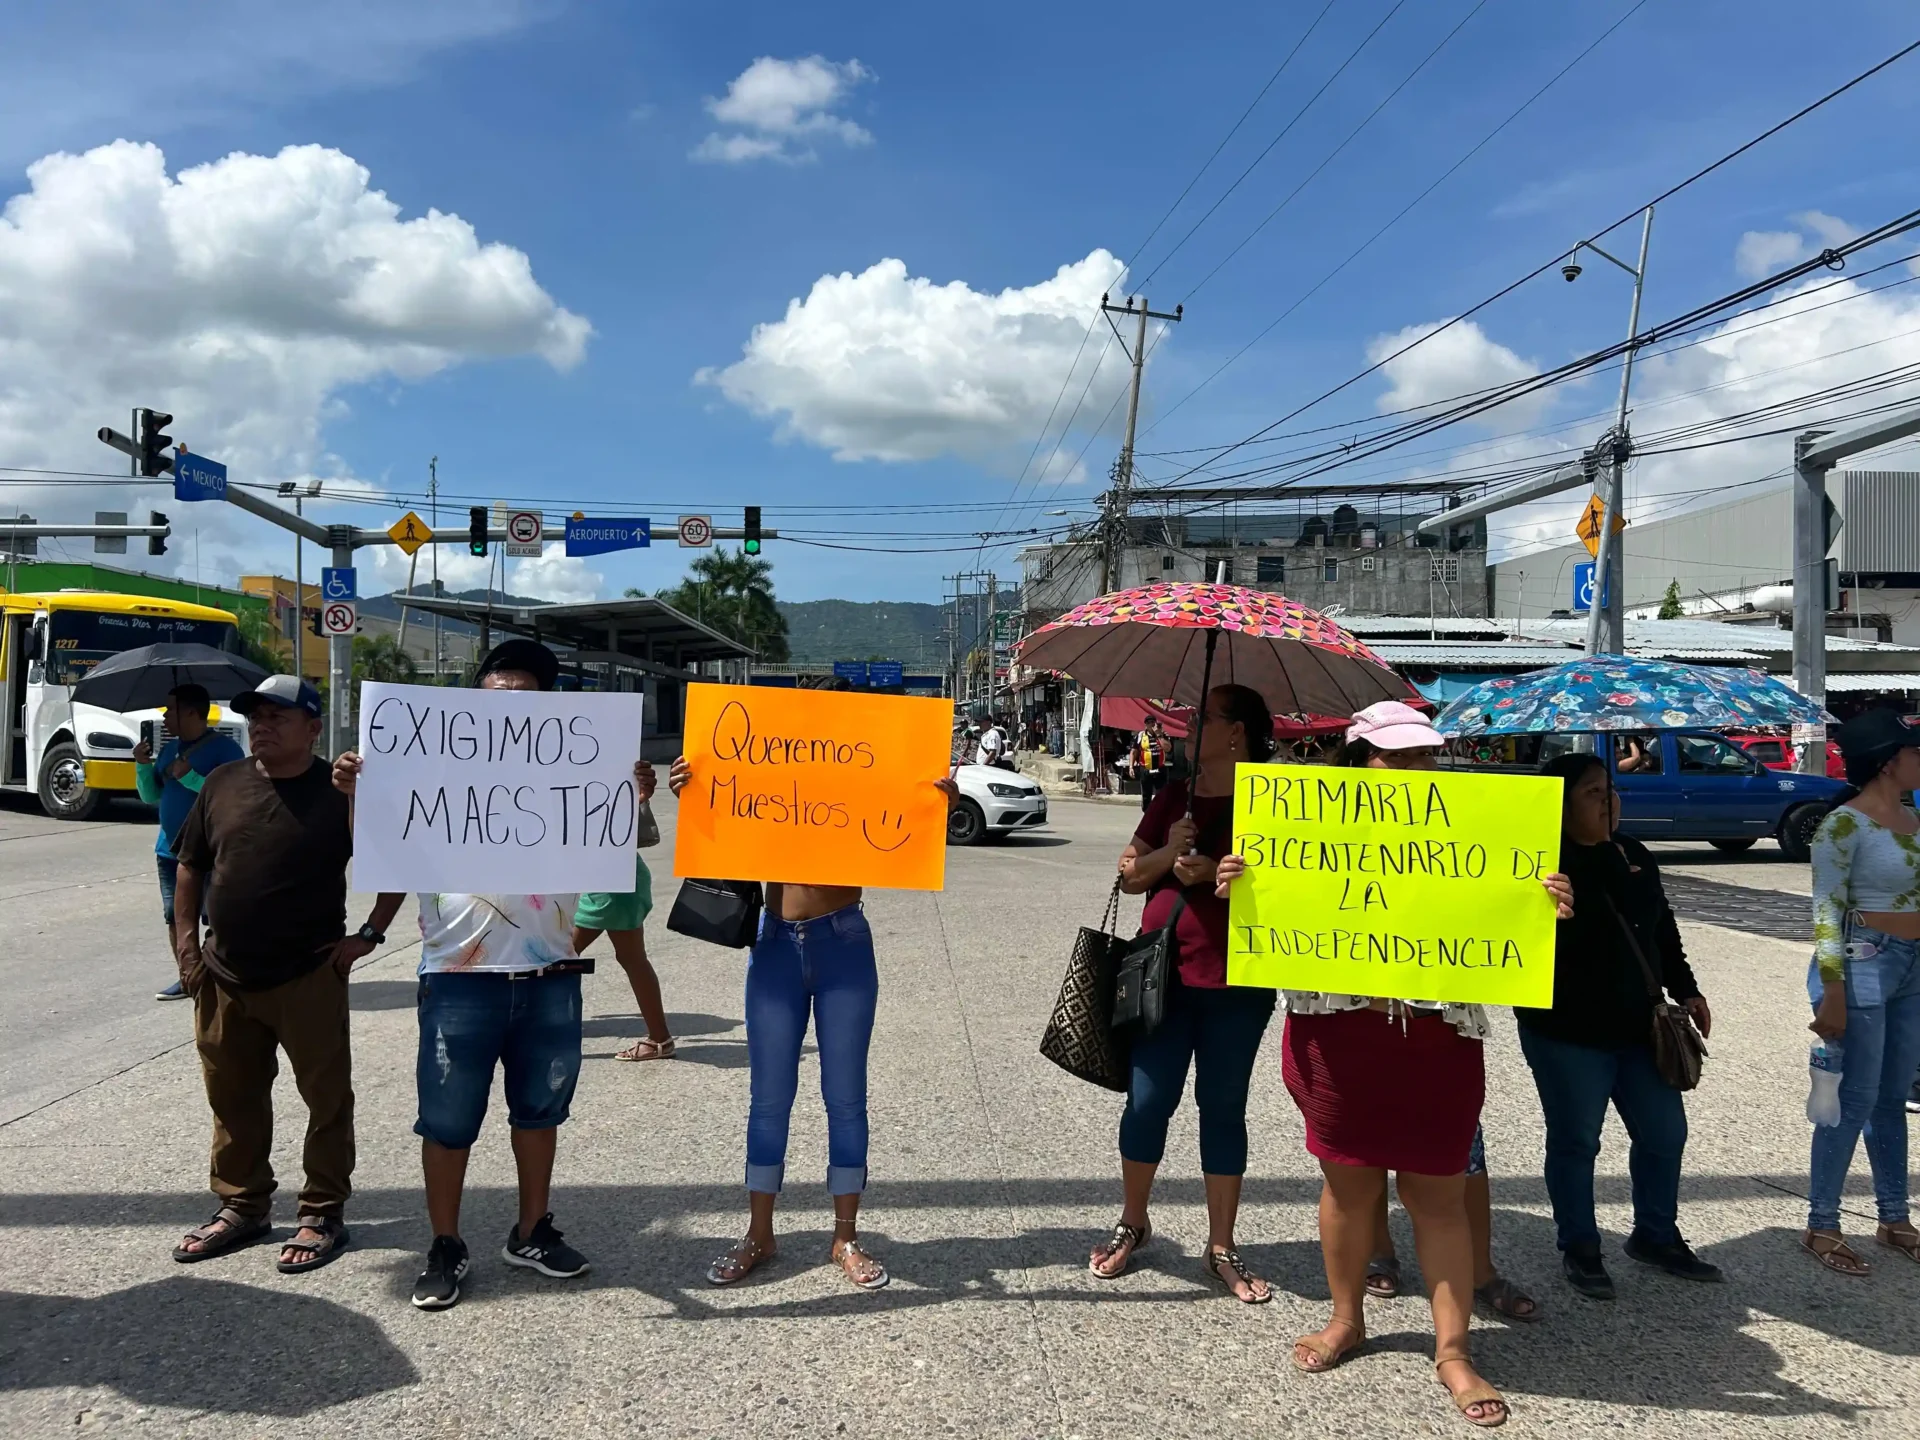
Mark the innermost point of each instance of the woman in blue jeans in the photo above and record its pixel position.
(1594, 1046)
(814, 954)
(1210, 1026)
(1864, 981)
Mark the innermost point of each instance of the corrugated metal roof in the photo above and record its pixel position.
(1871, 682)
(1671, 637)
(1471, 655)
(1412, 626)
(1686, 652)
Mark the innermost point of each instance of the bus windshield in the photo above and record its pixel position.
(81, 639)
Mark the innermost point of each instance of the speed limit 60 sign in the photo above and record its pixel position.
(523, 533)
(696, 531)
(338, 618)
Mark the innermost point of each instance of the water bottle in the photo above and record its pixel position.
(1824, 1062)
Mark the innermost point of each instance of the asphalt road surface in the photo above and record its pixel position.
(992, 1175)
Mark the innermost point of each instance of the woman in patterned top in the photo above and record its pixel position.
(1864, 981)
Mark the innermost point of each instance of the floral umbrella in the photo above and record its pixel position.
(1615, 692)
(1176, 640)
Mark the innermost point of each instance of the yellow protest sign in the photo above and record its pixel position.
(1410, 884)
(409, 532)
(814, 787)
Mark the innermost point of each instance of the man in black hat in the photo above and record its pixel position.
(266, 846)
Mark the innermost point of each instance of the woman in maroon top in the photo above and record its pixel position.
(1213, 1027)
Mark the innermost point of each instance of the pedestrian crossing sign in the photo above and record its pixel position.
(410, 532)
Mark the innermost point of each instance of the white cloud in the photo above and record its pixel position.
(1762, 252)
(776, 108)
(243, 296)
(1830, 229)
(887, 366)
(1455, 362)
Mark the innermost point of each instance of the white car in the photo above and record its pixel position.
(993, 802)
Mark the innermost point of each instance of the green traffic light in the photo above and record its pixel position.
(752, 547)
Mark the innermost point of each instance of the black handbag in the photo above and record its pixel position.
(1080, 1037)
(1679, 1054)
(721, 912)
(1144, 971)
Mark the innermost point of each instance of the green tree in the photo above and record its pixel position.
(379, 657)
(732, 592)
(1670, 608)
(259, 637)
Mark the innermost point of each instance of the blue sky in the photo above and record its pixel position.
(988, 148)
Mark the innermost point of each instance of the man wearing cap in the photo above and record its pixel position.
(171, 780)
(266, 847)
(499, 988)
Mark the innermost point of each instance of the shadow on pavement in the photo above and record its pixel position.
(199, 1344)
(681, 1025)
(382, 994)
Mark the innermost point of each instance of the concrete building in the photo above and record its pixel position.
(1734, 560)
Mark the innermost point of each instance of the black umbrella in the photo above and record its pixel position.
(139, 679)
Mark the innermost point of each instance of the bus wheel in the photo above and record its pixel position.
(63, 785)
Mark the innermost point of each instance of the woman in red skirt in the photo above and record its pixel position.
(1391, 1085)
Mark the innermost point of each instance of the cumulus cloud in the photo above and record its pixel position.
(1458, 360)
(776, 109)
(243, 296)
(551, 577)
(884, 365)
(1763, 252)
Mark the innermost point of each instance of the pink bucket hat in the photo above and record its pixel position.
(1391, 725)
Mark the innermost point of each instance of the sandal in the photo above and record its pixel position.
(1505, 1298)
(1229, 1259)
(1125, 1242)
(1832, 1251)
(739, 1262)
(1901, 1238)
(1325, 1356)
(649, 1049)
(228, 1230)
(860, 1267)
(1383, 1277)
(1483, 1395)
(334, 1237)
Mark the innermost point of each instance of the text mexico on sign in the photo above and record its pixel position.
(511, 792)
(1410, 884)
(814, 787)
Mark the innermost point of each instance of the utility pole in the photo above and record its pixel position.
(1606, 629)
(1120, 496)
(433, 501)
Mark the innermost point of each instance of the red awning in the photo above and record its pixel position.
(1120, 712)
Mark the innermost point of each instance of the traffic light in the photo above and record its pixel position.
(751, 531)
(156, 544)
(152, 446)
(477, 530)
(313, 621)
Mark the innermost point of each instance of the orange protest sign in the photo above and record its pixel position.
(814, 787)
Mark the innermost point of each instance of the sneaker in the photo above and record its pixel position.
(438, 1287)
(175, 991)
(1587, 1274)
(1677, 1259)
(544, 1251)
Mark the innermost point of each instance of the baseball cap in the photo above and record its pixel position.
(522, 654)
(1392, 725)
(1872, 737)
(289, 691)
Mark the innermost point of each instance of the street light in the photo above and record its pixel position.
(297, 491)
(1605, 628)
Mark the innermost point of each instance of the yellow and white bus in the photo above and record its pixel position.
(76, 757)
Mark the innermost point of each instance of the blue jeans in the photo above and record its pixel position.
(1882, 1050)
(825, 965)
(471, 1020)
(1218, 1032)
(1575, 1083)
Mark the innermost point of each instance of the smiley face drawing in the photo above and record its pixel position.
(898, 835)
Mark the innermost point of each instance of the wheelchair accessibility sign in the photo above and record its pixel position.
(339, 583)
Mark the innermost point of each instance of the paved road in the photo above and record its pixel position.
(992, 1175)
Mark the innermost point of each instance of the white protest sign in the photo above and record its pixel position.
(513, 792)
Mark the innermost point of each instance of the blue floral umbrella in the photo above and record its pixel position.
(1614, 692)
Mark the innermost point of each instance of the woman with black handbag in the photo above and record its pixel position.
(1207, 1024)
(814, 955)
(1615, 961)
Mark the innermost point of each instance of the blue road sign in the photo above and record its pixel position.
(339, 584)
(602, 537)
(854, 670)
(197, 478)
(1583, 588)
(885, 672)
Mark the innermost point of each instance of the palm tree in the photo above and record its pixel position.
(732, 592)
(379, 657)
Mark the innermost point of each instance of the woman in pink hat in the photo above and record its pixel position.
(1394, 1085)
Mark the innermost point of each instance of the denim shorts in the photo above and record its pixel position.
(469, 1021)
(169, 877)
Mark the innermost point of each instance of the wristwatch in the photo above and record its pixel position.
(370, 935)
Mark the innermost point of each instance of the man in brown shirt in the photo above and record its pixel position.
(267, 845)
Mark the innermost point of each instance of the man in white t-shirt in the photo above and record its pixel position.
(499, 985)
(992, 742)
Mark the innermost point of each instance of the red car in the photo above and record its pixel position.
(1776, 753)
